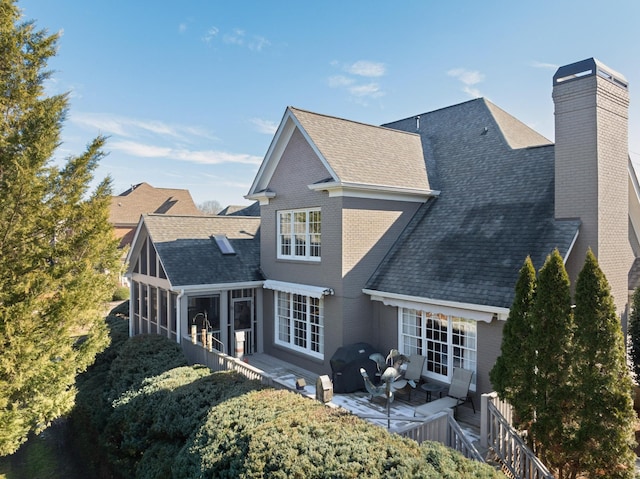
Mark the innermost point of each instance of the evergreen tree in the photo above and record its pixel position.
(552, 331)
(634, 334)
(603, 404)
(513, 374)
(56, 244)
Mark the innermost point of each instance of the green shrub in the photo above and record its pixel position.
(121, 293)
(164, 412)
(156, 417)
(142, 357)
(91, 410)
(281, 434)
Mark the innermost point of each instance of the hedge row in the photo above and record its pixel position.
(280, 434)
(156, 417)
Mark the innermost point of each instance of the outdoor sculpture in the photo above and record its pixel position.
(390, 376)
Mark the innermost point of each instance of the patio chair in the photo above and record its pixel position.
(458, 394)
(412, 374)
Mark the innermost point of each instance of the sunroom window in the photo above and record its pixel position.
(299, 233)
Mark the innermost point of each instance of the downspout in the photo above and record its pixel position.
(131, 306)
(179, 316)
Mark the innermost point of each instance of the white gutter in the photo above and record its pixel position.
(204, 288)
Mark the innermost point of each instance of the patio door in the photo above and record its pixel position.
(242, 315)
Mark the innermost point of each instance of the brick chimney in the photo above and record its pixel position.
(591, 176)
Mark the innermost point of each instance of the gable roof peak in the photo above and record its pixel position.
(354, 154)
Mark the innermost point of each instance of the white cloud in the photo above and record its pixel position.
(206, 157)
(351, 81)
(367, 90)
(264, 126)
(182, 27)
(338, 81)
(468, 78)
(131, 127)
(546, 66)
(239, 38)
(366, 68)
(235, 38)
(258, 43)
(211, 34)
(472, 92)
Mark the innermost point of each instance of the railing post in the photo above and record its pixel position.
(484, 419)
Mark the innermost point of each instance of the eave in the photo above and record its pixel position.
(384, 192)
(478, 312)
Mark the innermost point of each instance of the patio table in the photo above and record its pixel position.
(430, 388)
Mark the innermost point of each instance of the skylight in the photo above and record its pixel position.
(223, 243)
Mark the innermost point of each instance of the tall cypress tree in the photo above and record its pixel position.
(513, 374)
(603, 403)
(56, 244)
(634, 334)
(551, 334)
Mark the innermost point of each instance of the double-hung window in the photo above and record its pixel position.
(446, 342)
(299, 234)
(299, 323)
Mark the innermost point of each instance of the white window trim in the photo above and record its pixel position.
(291, 345)
(307, 256)
(450, 346)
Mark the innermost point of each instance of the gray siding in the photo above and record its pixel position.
(489, 341)
(356, 235)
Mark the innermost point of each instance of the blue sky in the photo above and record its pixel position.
(190, 92)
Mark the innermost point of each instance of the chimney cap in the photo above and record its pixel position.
(587, 68)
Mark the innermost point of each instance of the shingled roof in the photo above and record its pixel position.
(496, 207)
(142, 198)
(397, 156)
(355, 154)
(189, 253)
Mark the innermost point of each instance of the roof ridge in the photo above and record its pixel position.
(333, 117)
(434, 111)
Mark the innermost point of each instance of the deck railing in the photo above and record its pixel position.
(498, 434)
(442, 428)
(218, 361)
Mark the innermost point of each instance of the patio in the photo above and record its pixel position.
(358, 403)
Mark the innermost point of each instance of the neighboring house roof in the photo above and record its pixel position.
(190, 256)
(495, 209)
(363, 155)
(241, 210)
(142, 198)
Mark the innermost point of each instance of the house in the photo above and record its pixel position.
(127, 207)
(409, 235)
